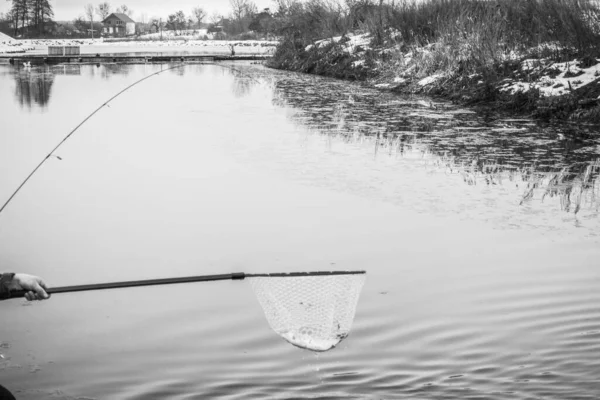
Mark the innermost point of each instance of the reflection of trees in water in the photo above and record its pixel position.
(242, 81)
(106, 71)
(548, 161)
(109, 70)
(179, 71)
(33, 87)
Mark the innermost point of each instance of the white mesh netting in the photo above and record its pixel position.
(311, 312)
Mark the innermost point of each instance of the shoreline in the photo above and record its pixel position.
(536, 87)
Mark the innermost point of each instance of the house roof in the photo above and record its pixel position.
(121, 16)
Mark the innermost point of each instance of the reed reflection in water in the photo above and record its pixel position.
(541, 160)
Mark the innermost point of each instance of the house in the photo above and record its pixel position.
(118, 24)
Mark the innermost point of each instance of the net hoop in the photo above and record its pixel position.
(312, 310)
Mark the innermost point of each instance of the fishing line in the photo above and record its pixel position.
(105, 104)
(51, 154)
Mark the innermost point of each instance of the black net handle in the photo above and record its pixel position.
(185, 279)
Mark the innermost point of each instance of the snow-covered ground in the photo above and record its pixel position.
(555, 79)
(189, 34)
(351, 42)
(10, 45)
(92, 46)
(552, 79)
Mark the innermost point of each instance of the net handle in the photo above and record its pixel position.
(185, 279)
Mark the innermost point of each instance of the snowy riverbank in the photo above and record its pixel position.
(538, 86)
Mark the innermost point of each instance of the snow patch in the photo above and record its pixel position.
(429, 80)
(349, 45)
(14, 46)
(570, 77)
(190, 34)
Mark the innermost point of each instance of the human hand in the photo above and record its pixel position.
(34, 287)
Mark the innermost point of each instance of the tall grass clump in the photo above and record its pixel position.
(473, 34)
(452, 36)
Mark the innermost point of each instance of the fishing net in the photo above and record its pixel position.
(311, 312)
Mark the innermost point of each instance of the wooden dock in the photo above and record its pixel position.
(37, 59)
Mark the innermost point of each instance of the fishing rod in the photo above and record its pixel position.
(51, 154)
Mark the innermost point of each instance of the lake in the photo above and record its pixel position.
(479, 233)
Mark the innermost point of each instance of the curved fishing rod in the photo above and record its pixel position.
(86, 119)
(77, 127)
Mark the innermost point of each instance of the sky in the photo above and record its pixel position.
(65, 10)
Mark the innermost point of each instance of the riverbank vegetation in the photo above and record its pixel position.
(501, 52)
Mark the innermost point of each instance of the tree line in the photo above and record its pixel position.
(242, 18)
(238, 21)
(32, 16)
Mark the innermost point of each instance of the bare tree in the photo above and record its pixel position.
(242, 8)
(216, 18)
(158, 25)
(123, 9)
(103, 10)
(199, 14)
(142, 24)
(242, 12)
(89, 13)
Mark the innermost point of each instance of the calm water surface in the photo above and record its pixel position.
(479, 236)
